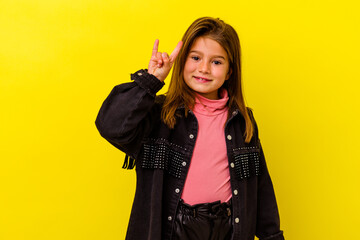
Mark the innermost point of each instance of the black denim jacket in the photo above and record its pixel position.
(129, 119)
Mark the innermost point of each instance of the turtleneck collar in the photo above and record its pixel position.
(207, 106)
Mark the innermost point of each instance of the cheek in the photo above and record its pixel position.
(187, 72)
(189, 67)
(220, 72)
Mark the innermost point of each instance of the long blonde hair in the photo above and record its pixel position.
(179, 94)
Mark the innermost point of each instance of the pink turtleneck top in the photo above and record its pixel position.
(208, 179)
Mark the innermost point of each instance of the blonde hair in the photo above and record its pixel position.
(179, 94)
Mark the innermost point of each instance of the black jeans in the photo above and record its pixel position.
(208, 221)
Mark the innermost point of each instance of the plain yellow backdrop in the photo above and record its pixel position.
(60, 59)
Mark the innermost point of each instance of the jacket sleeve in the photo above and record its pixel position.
(128, 114)
(268, 220)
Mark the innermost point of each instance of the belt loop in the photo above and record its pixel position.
(195, 212)
(228, 212)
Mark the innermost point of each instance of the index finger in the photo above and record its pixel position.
(155, 48)
(176, 51)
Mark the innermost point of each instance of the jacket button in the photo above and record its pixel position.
(234, 113)
(169, 218)
(229, 137)
(237, 220)
(139, 73)
(184, 164)
(236, 192)
(232, 165)
(177, 190)
(191, 136)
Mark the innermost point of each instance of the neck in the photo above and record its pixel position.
(207, 106)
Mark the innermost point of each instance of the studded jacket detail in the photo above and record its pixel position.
(130, 120)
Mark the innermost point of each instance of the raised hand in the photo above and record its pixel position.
(161, 63)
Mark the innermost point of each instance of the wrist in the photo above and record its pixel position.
(147, 81)
(155, 75)
(158, 77)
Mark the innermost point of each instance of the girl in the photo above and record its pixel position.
(201, 171)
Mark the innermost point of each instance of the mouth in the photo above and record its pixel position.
(202, 79)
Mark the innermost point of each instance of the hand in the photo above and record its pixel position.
(160, 63)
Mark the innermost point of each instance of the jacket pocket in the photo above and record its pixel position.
(247, 161)
(161, 154)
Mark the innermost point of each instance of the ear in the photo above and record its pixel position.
(228, 74)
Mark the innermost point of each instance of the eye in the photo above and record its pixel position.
(217, 62)
(195, 58)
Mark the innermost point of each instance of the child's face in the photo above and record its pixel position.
(206, 67)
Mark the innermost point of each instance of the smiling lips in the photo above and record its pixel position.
(201, 79)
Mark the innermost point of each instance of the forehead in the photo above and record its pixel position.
(208, 46)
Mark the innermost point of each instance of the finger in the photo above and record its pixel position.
(165, 58)
(176, 51)
(159, 59)
(155, 48)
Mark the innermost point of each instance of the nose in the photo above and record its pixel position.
(204, 67)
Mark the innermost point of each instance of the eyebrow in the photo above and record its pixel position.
(215, 56)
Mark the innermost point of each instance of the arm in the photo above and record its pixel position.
(268, 220)
(129, 112)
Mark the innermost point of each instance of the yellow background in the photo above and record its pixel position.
(60, 59)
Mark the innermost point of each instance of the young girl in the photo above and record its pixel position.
(201, 171)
